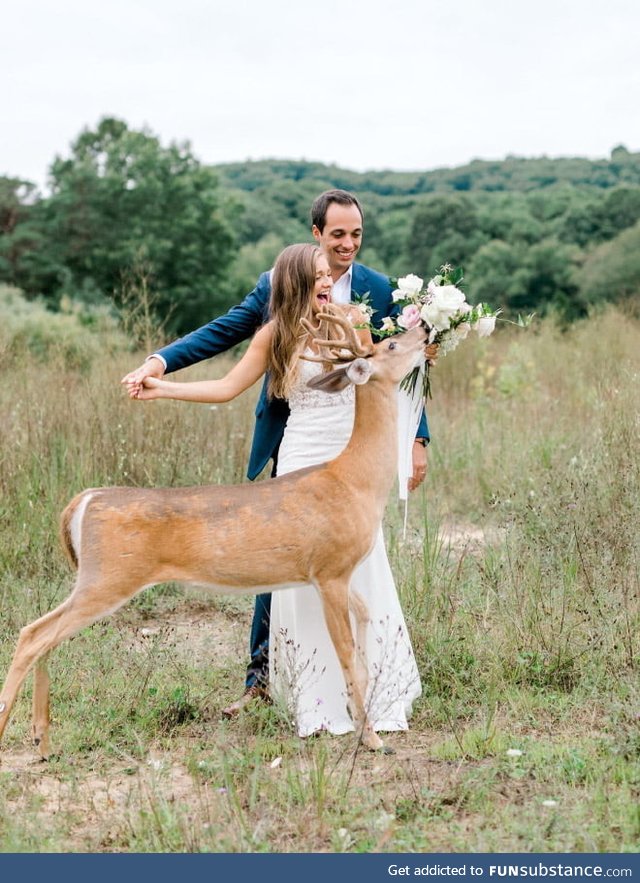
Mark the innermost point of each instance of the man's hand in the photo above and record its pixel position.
(419, 458)
(134, 380)
(431, 353)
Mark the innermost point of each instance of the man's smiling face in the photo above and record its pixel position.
(341, 238)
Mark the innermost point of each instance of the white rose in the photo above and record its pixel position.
(485, 325)
(432, 316)
(462, 330)
(449, 298)
(410, 285)
(445, 302)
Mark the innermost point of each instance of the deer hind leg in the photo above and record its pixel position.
(32, 645)
(335, 603)
(82, 608)
(40, 716)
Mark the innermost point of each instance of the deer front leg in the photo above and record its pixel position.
(360, 611)
(335, 602)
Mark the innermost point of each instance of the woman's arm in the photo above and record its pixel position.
(243, 375)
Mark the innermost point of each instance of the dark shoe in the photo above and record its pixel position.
(249, 696)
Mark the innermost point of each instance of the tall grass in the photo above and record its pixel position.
(527, 641)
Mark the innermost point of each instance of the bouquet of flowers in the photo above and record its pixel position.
(442, 309)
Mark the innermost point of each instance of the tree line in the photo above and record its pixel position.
(126, 214)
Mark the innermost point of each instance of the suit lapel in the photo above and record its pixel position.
(359, 281)
(361, 286)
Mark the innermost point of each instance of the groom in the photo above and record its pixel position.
(337, 226)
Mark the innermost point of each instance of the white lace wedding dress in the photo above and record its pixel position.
(304, 672)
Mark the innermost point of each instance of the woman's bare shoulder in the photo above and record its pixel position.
(264, 335)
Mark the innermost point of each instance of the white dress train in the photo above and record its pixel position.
(304, 672)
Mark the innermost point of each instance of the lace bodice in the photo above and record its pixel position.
(302, 396)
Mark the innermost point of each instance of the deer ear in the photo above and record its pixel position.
(359, 371)
(333, 381)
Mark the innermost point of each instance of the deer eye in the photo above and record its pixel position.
(392, 345)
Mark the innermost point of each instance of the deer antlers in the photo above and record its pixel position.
(344, 348)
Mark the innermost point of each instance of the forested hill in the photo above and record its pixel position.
(127, 215)
(532, 234)
(513, 173)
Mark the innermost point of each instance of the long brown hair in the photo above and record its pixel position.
(292, 285)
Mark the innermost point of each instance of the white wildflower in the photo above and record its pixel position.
(388, 324)
(345, 839)
(384, 821)
(448, 341)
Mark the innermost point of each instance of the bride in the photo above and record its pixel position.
(304, 673)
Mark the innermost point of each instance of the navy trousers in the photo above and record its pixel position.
(258, 668)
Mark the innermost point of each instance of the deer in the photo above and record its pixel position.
(251, 537)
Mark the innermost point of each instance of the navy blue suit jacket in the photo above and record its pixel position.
(240, 323)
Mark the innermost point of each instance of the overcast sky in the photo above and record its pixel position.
(365, 84)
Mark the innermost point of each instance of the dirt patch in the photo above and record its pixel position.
(197, 628)
(466, 538)
(95, 806)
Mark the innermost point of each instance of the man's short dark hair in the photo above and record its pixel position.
(322, 203)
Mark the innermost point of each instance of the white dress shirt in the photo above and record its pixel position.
(341, 291)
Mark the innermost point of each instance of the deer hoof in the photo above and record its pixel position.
(42, 744)
(373, 742)
(386, 749)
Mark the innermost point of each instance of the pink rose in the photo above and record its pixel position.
(409, 317)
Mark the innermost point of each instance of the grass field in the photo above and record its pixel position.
(519, 576)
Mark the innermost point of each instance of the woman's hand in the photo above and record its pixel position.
(151, 388)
